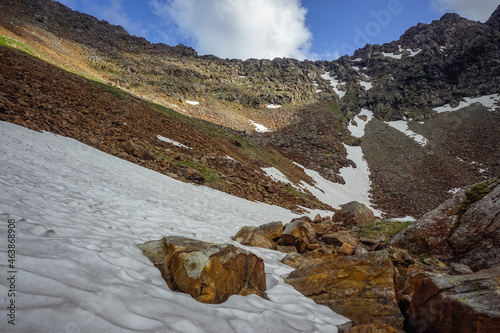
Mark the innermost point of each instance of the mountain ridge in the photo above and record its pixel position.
(307, 105)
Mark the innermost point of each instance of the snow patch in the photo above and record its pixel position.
(273, 106)
(402, 126)
(358, 60)
(334, 82)
(359, 130)
(489, 101)
(175, 143)
(414, 53)
(260, 128)
(276, 175)
(392, 55)
(366, 85)
(193, 102)
(80, 214)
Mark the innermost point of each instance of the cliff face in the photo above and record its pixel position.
(430, 65)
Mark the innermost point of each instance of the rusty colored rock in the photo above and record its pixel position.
(359, 287)
(299, 233)
(208, 272)
(354, 214)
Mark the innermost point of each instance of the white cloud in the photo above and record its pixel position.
(241, 28)
(479, 10)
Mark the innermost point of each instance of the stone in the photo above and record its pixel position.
(354, 214)
(475, 238)
(345, 249)
(456, 303)
(339, 238)
(138, 150)
(323, 227)
(299, 233)
(360, 287)
(370, 244)
(208, 272)
(429, 234)
(464, 229)
(459, 269)
(252, 237)
(272, 230)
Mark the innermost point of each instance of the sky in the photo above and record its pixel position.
(302, 29)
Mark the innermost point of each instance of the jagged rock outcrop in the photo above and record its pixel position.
(208, 272)
(456, 304)
(464, 229)
(494, 20)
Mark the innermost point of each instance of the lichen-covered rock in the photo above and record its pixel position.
(456, 303)
(354, 214)
(360, 287)
(208, 272)
(299, 233)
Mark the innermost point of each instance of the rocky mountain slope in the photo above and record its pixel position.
(307, 105)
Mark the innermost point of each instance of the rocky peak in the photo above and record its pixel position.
(494, 20)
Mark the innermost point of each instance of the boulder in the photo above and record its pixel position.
(475, 240)
(272, 230)
(354, 214)
(251, 236)
(456, 303)
(464, 229)
(324, 226)
(429, 234)
(339, 238)
(299, 233)
(138, 149)
(360, 287)
(208, 272)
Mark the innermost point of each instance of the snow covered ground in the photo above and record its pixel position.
(489, 101)
(193, 102)
(402, 126)
(80, 214)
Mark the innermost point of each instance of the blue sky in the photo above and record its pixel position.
(313, 29)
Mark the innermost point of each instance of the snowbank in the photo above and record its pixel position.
(80, 214)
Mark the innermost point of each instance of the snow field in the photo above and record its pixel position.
(80, 214)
